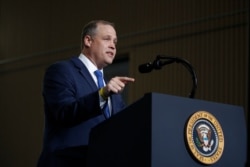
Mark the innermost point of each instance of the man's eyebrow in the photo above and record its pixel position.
(109, 36)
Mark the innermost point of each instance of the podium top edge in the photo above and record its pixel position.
(155, 94)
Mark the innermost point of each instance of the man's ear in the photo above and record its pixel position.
(87, 41)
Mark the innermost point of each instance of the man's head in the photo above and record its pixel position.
(99, 42)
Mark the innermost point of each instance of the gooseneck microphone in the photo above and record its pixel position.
(157, 64)
(161, 61)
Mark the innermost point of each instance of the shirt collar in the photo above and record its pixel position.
(90, 66)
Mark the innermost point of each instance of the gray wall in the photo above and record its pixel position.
(212, 35)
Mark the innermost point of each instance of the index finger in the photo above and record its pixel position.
(126, 79)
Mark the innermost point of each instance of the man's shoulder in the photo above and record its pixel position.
(66, 62)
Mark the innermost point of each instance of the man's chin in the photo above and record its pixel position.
(109, 62)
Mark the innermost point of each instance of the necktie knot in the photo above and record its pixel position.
(98, 73)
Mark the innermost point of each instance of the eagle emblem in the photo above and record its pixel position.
(204, 140)
(204, 137)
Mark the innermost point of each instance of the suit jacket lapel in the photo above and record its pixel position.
(84, 72)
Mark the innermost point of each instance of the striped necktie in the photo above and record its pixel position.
(100, 82)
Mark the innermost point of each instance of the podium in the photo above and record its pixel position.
(158, 130)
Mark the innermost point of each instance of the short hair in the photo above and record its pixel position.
(90, 28)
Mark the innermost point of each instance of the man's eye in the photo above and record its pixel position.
(107, 39)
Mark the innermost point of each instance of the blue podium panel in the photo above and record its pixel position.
(169, 121)
(152, 132)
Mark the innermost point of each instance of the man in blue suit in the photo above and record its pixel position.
(74, 102)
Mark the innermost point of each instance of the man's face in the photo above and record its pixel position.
(103, 45)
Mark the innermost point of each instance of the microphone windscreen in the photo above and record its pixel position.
(145, 68)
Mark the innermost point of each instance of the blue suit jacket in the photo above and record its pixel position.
(72, 108)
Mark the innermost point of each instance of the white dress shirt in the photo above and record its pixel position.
(92, 68)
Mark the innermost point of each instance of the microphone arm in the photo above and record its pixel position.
(158, 64)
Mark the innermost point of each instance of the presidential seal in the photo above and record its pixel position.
(204, 137)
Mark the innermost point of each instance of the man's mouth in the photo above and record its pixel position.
(111, 54)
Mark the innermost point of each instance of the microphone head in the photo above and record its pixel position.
(145, 68)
